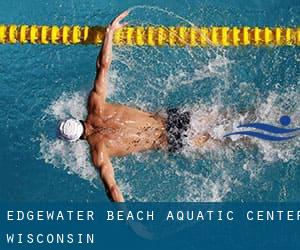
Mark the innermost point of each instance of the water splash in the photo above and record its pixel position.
(192, 185)
(73, 158)
(215, 85)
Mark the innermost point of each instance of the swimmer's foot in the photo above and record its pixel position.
(200, 140)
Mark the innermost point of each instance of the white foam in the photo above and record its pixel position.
(217, 121)
(68, 105)
(271, 110)
(72, 157)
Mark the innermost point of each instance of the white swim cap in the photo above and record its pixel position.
(70, 130)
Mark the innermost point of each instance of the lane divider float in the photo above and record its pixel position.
(152, 35)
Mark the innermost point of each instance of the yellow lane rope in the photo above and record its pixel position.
(152, 35)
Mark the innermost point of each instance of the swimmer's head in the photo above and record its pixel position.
(70, 130)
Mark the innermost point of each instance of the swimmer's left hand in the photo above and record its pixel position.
(115, 24)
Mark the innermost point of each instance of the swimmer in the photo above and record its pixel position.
(114, 130)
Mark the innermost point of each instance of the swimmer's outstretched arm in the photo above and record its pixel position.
(103, 164)
(105, 56)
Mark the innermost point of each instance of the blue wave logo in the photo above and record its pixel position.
(279, 133)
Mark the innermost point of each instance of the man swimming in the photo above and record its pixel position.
(117, 130)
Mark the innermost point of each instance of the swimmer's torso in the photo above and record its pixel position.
(124, 130)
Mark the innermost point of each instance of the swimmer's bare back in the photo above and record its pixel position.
(113, 129)
(124, 130)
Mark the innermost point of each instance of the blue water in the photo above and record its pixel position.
(42, 84)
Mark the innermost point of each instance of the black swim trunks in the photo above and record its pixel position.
(177, 125)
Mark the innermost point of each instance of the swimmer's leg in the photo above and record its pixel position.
(200, 140)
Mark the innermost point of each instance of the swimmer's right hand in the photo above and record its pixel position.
(115, 24)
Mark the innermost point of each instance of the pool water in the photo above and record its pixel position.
(43, 84)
